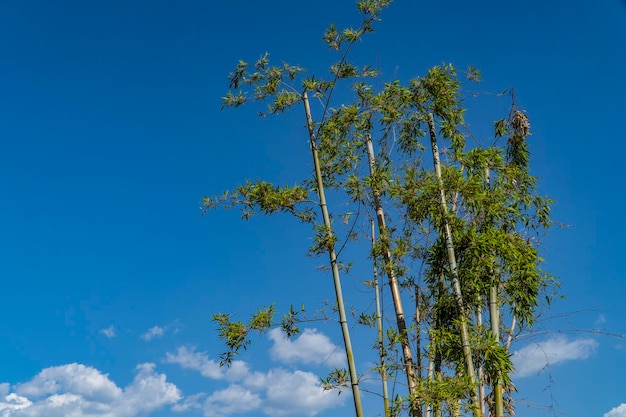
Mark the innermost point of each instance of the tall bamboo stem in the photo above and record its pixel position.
(379, 326)
(509, 337)
(494, 316)
(354, 382)
(456, 285)
(438, 359)
(429, 377)
(409, 367)
(418, 333)
(481, 370)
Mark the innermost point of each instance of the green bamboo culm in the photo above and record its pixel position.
(345, 332)
(393, 284)
(379, 327)
(494, 316)
(456, 284)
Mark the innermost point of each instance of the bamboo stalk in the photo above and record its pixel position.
(429, 376)
(495, 330)
(379, 326)
(393, 285)
(494, 316)
(456, 285)
(481, 370)
(354, 382)
(509, 337)
(439, 405)
(418, 333)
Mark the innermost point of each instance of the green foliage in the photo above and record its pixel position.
(264, 198)
(288, 322)
(336, 379)
(234, 335)
(262, 320)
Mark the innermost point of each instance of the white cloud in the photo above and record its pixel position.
(533, 358)
(159, 331)
(619, 411)
(153, 332)
(296, 393)
(109, 331)
(233, 400)
(237, 371)
(13, 402)
(74, 378)
(148, 391)
(197, 361)
(190, 402)
(277, 392)
(188, 358)
(310, 347)
(81, 391)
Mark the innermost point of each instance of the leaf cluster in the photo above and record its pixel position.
(235, 334)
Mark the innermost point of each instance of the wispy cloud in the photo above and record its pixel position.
(156, 332)
(311, 347)
(277, 392)
(109, 331)
(191, 402)
(188, 358)
(533, 358)
(79, 390)
(153, 332)
(619, 411)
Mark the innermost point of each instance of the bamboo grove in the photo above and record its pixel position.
(454, 225)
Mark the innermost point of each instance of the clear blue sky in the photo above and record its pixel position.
(111, 133)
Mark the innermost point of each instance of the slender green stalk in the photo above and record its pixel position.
(354, 382)
(379, 327)
(495, 330)
(430, 376)
(418, 337)
(456, 285)
(393, 284)
(494, 316)
(481, 369)
(438, 359)
(418, 333)
(509, 337)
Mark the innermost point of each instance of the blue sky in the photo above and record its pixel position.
(111, 133)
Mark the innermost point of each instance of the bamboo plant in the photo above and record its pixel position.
(457, 235)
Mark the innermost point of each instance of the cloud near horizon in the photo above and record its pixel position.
(79, 390)
(533, 358)
(83, 391)
(276, 392)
